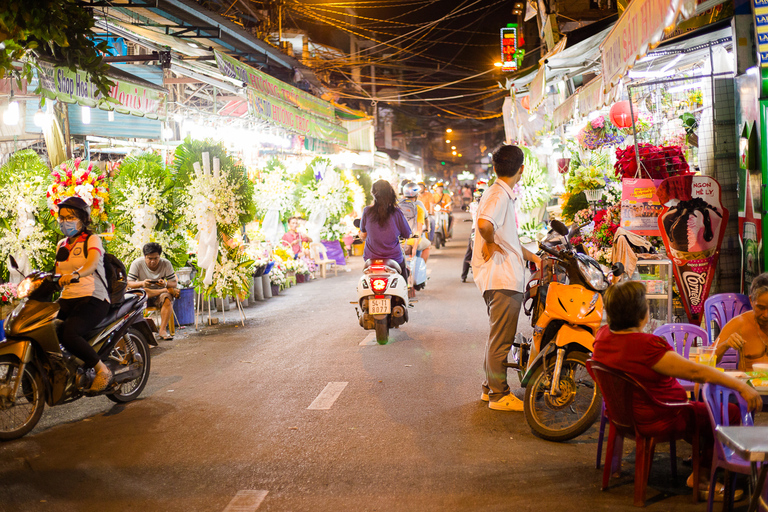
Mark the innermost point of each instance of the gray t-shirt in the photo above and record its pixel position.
(140, 271)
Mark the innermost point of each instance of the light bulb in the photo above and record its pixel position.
(11, 114)
(39, 118)
(86, 115)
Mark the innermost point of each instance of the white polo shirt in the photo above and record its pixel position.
(497, 206)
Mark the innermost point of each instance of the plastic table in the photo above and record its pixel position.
(750, 443)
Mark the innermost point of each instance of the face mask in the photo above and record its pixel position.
(70, 228)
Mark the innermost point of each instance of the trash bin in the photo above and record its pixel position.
(184, 306)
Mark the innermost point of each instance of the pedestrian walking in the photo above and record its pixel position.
(498, 269)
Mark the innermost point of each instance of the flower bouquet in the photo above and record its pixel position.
(72, 178)
(658, 162)
(598, 133)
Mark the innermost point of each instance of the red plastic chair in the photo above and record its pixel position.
(718, 310)
(682, 337)
(717, 399)
(619, 394)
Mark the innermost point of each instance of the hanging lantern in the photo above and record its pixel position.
(621, 115)
(526, 102)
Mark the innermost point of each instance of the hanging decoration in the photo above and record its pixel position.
(621, 115)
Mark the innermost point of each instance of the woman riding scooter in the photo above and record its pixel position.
(84, 300)
(382, 225)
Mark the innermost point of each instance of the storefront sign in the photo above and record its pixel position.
(640, 206)
(640, 28)
(537, 88)
(295, 120)
(272, 88)
(692, 225)
(591, 96)
(62, 84)
(566, 110)
(509, 47)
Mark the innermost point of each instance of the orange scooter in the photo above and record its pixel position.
(566, 309)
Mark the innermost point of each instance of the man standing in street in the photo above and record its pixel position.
(157, 277)
(498, 269)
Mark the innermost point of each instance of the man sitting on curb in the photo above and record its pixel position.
(158, 279)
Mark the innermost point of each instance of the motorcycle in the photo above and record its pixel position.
(561, 399)
(35, 369)
(443, 229)
(382, 298)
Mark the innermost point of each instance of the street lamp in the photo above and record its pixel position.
(447, 141)
(448, 130)
(498, 64)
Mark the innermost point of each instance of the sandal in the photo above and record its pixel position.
(738, 494)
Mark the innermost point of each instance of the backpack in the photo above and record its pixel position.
(116, 281)
(411, 212)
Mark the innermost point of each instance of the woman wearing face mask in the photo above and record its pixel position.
(84, 303)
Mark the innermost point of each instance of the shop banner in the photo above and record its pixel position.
(294, 119)
(639, 29)
(591, 97)
(537, 88)
(62, 84)
(566, 110)
(273, 88)
(692, 225)
(640, 206)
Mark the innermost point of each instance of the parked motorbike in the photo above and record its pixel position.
(35, 369)
(443, 229)
(382, 298)
(566, 309)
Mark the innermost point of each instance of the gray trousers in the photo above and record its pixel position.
(503, 311)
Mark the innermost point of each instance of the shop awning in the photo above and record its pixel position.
(639, 29)
(129, 95)
(537, 88)
(566, 110)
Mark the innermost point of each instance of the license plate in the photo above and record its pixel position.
(379, 306)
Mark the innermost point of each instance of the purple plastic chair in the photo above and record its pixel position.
(717, 399)
(682, 337)
(719, 309)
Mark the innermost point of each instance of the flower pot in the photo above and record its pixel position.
(259, 271)
(275, 288)
(563, 164)
(300, 278)
(258, 288)
(266, 286)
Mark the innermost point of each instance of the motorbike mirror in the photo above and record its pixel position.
(357, 223)
(14, 265)
(62, 254)
(559, 227)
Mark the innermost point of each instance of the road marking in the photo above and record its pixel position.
(369, 340)
(327, 396)
(246, 501)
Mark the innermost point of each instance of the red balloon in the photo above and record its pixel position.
(620, 114)
(526, 102)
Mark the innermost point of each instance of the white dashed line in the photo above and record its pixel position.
(369, 340)
(328, 396)
(246, 501)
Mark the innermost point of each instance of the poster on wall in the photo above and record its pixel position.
(692, 225)
(640, 206)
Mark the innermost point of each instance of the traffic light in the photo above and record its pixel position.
(442, 163)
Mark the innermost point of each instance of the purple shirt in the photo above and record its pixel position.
(383, 242)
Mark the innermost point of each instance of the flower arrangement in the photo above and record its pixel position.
(277, 275)
(8, 294)
(275, 188)
(598, 133)
(658, 162)
(329, 190)
(232, 275)
(74, 178)
(599, 241)
(535, 185)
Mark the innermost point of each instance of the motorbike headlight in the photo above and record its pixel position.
(27, 286)
(592, 272)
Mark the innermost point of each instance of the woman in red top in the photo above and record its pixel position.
(651, 361)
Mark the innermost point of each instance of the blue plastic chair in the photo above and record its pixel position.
(717, 399)
(682, 338)
(720, 309)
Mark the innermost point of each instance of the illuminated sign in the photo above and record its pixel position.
(509, 47)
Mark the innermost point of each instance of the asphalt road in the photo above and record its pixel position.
(226, 411)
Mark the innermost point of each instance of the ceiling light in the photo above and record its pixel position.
(86, 115)
(11, 114)
(39, 118)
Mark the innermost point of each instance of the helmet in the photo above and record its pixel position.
(440, 184)
(75, 203)
(410, 189)
(482, 186)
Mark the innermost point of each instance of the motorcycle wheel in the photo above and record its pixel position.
(382, 331)
(18, 419)
(131, 390)
(570, 415)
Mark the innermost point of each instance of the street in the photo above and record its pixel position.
(227, 410)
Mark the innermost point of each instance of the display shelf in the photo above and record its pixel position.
(657, 277)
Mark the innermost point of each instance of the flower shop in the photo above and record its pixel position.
(609, 145)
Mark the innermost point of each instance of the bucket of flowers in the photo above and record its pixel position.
(277, 278)
(8, 298)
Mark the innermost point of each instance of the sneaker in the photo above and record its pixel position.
(463, 279)
(508, 403)
(102, 379)
(484, 397)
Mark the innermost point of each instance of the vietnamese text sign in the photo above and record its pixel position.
(591, 97)
(640, 206)
(692, 225)
(565, 111)
(273, 88)
(61, 83)
(761, 30)
(640, 27)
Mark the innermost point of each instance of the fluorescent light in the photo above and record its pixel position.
(672, 63)
(111, 115)
(645, 74)
(11, 114)
(86, 115)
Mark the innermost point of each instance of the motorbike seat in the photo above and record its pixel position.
(387, 263)
(115, 311)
